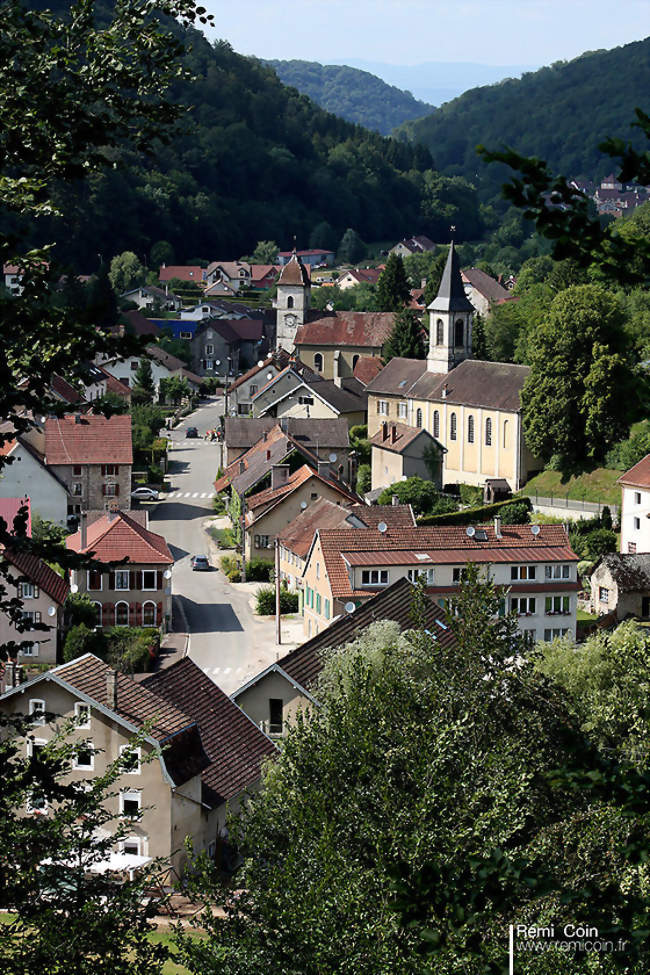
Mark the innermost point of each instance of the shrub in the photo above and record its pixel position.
(515, 514)
(224, 537)
(132, 649)
(82, 639)
(422, 495)
(257, 570)
(606, 518)
(471, 516)
(80, 609)
(470, 494)
(364, 478)
(266, 601)
(230, 568)
(599, 542)
(219, 504)
(155, 474)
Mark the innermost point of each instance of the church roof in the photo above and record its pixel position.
(294, 272)
(451, 293)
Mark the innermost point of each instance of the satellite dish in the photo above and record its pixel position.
(167, 574)
(303, 505)
(350, 607)
(51, 610)
(260, 363)
(535, 529)
(333, 458)
(74, 587)
(470, 531)
(382, 527)
(269, 375)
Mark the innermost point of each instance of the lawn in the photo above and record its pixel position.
(582, 615)
(598, 485)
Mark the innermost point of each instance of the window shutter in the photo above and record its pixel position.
(159, 580)
(37, 617)
(116, 468)
(117, 490)
(111, 580)
(108, 613)
(103, 489)
(37, 592)
(103, 470)
(138, 613)
(139, 579)
(159, 613)
(133, 610)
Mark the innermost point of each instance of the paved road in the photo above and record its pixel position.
(226, 640)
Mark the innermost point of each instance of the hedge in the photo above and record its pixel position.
(473, 516)
(266, 601)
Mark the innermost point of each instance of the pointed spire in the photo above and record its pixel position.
(294, 272)
(451, 293)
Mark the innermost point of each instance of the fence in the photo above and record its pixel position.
(573, 505)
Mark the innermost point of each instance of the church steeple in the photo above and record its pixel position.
(293, 300)
(450, 320)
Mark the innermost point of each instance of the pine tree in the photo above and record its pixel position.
(405, 341)
(392, 287)
(144, 388)
(351, 247)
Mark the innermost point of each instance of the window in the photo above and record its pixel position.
(149, 581)
(149, 614)
(637, 497)
(327, 609)
(374, 577)
(109, 490)
(94, 580)
(523, 605)
(470, 429)
(355, 359)
(402, 410)
(76, 470)
(262, 541)
(318, 362)
(555, 633)
(131, 846)
(505, 433)
(30, 617)
(186, 335)
(122, 579)
(558, 604)
(121, 614)
(98, 614)
(313, 495)
(77, 489)
(488, 432)
(275, 715)
(306, 400)
(523, 571)
(418, 418)
(134, 365)
(458, 574)
(130, 803)
(82, 714)
(427, 575)
(209, 350)
(631, 548)
(252, 389)
(290, 301)
(637, 524)
(436, 423)
(318, 603)
(209, 364)
(37, 711)
(440, 332)
(30, 649)
(452, 426)
(27, 590)
(382, 407)
(110, 470)
(459, 334)
(318, 570)
(557, 571)
(131, 759)
(85, 757)
(603, 594)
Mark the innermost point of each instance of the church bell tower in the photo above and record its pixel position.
(292, 302)
(450, 320)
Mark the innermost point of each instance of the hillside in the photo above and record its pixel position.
(355, 95)
(560, 113)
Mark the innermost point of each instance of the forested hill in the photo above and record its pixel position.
(355, 95)
(560, 113)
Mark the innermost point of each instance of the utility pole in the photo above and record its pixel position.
(243, 536)
(278, 626)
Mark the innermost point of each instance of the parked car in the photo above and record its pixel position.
(191, 432)
(145, 494)
(200, 563)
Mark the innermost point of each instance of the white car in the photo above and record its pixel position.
(145, 494)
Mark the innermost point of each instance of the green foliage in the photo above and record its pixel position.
(174, 390)
(470, 516)
(126, 272)
(600, 542)
(82, 639)
(422, 495)
(47, 532)
(161, 253)
(323, 236)
(129, 649)
(627, 453)
(219, 504)
(265, 601)
(80, 609)
(144, 388)
(231, 567)
(266, 252)
(392, 287)
(111, 404)
(515, 514)
(147, 421)
(361, 297)
(364, 478)
(176, 347)
(470, 494)
(351, 248)
(257, 570)
(606, 518)
(355, 95)
(405, 340)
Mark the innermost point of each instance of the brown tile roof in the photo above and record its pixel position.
(367, 367)
(171, 362)
(64, 390)
(251, 467)
(261, 271)
(366, 274)
(278, 359)
(398, 437)
(183, 272)
(40, 573)
(485, 284)
(294, 272)
(113, 385)
(494, 385)
(449, 543)
(639, 475)
(322, 514)
(234, 745)
(115, 537)
(94, 439)
(270, 496)
(369, 329)
(139, 325)
(397, 377)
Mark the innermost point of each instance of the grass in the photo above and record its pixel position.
(581, 615)
(223, 537)
(598, 485)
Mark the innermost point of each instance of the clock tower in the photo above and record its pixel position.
(294, 290)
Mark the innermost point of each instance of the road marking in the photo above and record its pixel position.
(211, 494)
(187, 495)
(196, 494)
(216, 670)
(204, 495)
(227, 670)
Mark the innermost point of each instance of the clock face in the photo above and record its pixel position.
(290, 319)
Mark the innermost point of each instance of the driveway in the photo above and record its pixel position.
(227, 640)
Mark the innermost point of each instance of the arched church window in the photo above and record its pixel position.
(452, 426)
(459, 333)
(488, 432)
(440, 332)
(436, 423)
(418, 418)
(470, 429)
(318, 362)
(505, 433)
(290, 301)
(355, 359)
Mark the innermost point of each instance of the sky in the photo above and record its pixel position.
(410, 32)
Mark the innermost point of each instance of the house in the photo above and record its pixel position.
(240, 392)
(620, 585)
(163, 366)
(43, 593)
(138, 593)
(136, 324)
(359, 275)
(220, 346)
(472, 408)
(92, 455)
(317, 257)
(297, 391)
(28, 476)
(199, 754)
(327, 440)
(635, 508)
(366, 368)
(12, 277)
(269, 511)
(149, 296)
(398, 451)
(233, 274)
(483, 290)
(273, 697)
(181, 272)
(333, 343)
(413, 245)
(533, 565)
(296, 538)
(264, 276)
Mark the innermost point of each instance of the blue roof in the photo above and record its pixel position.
(176, 326)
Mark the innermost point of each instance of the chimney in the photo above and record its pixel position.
(77, 418)
(324, 468)
(338, 381)
(284, 424)
(10, 674)
(83, 517)
(265, 435)
(111, 689)
(19, 677)
(394, 500)
(497, 526)
(268, 454)
(384, 430)
(445, 390)
(393, 433)
(279, 475)
(242, 466)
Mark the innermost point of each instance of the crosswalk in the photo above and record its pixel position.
(225, 671)
(177, 495)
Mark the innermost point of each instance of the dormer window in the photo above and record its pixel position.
(374, 577)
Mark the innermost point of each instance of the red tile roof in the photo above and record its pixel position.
(299, 534)
(182, 272)
(368, 329)
(367, 367)
(270, 496)
(93, 440)
(113, 385)
(235, 746)
(117, 536)
(639, 475)
(398, 437)
(65, 391)
(278, 359)
(484, 283)
(40, 573)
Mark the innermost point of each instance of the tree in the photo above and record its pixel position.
(101, 303)
(392, 287)
(600, 542)
(323, 236)
(405, 341)
(364, 478)
(351, 248)
(266, 252)
(80, 609)
(126, 272)
(111, 404)
(174, 390)
(422, 495)
(161, 253)
(571, 398)
(82, 639)
(144, 387)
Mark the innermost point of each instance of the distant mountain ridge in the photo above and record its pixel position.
(353, 94)
(560, 113)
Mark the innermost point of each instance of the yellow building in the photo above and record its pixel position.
(333, 344)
